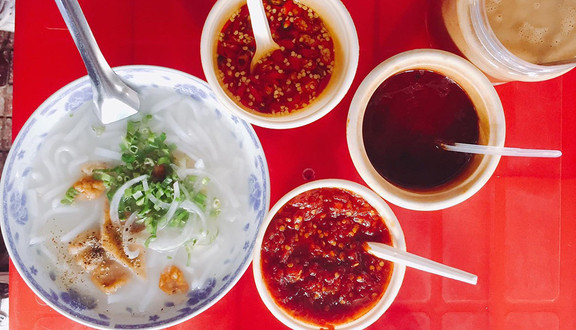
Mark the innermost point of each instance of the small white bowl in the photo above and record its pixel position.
(47, 275)
(338, 21)
(397, 240)
(491, 121)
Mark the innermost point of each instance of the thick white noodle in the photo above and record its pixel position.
(84, 223)
(152, 289)
(75, 165)
(76, 131)
(180, 138)
(64, 155)
(165, 104)
(107, 153)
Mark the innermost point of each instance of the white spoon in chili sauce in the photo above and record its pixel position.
(261, 29)
(387, 252)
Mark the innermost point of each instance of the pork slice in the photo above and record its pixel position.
(88, 252)
(112, 243)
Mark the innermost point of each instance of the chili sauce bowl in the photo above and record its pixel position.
(60, 282)
(318, 256)
(294, 113)
(367, 148)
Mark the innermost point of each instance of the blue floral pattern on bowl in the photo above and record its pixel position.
(16, 224)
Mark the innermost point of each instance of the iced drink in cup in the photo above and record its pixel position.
(511, 40)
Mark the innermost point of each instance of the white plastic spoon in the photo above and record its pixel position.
(262, 34)
(113, 98)
(503, 151)
(402, 257)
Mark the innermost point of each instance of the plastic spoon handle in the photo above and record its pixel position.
(390, 253)
(261, 29)
(503, 151)
(114, 99)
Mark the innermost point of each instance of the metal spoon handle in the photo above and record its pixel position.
(96, 65)
(114, 99)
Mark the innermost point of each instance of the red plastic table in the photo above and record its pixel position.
(518, 234)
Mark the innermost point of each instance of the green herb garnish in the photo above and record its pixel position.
(157, 195)
(70, 195)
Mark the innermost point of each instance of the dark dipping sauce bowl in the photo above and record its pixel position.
(401, 113)
(310, 265)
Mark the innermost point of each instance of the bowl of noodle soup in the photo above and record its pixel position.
(210, 199)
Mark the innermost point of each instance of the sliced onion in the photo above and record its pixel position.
(193, 208)
(158, 202)
(125, 237)
(169, 239)
(172, 209)
(184, 172)
(115, 203)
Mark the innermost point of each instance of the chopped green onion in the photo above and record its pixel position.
(155, 200)
(70, 195)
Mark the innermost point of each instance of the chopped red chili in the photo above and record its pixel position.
(288, 79)
(313, 258)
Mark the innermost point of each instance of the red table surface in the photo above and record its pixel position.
(517, 234)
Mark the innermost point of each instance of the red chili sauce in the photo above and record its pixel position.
(313, 260)
(407, 117)
(288, 79)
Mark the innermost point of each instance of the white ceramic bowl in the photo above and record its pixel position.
(491, 121)
(397, 240)
(94, 310)
(338, 21)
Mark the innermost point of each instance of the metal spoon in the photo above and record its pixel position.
(114, 99)
(262, 35)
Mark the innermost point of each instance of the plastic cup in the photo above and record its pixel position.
(467, 24)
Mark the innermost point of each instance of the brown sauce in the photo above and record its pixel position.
(406, 117)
